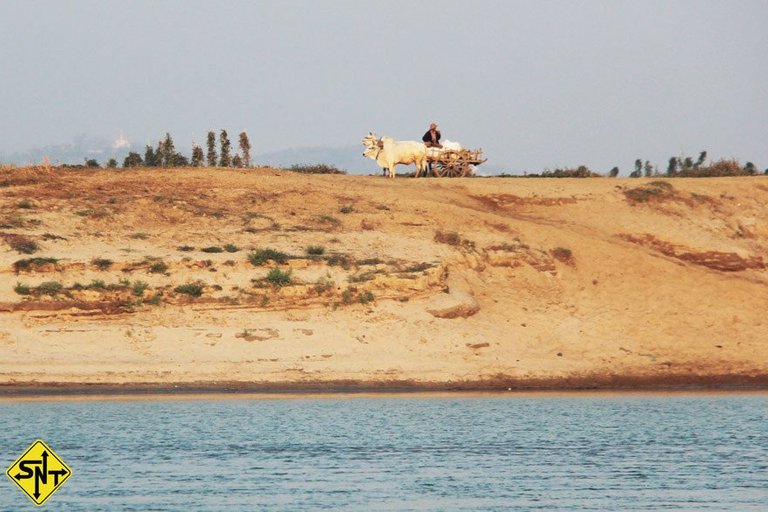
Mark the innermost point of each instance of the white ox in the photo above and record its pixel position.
(388, 152)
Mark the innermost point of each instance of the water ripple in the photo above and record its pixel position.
(692, 453)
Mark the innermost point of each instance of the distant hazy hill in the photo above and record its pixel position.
(75, 152)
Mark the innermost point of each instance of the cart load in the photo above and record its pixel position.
(453, 161)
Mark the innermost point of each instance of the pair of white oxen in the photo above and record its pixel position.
(388, 152)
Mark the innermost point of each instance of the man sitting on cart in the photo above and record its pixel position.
(432, 137)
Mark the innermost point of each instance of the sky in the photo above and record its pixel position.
(536, 84)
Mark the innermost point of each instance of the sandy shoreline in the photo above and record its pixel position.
(78, 394)
(140, 281)
(619, 385)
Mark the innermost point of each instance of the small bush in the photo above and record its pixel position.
(212, 249)
(653, 190)
(185, 248)
(139, 287)
(139, 236)
(362, 277)
(328, 219)
(324, 285)
(231, 248)
(339, 260)
(22, 289)
(370, 261)
(580, 172)
(121, 284)
(155, 300)
(261, 256)
(22, 244)
(454, 239)
(52, 288)
(352, 295)
(192, 289)
(451, 238)
(278, 278)
(97, 284)
(159, 267)
(562, 254)
(418, 267)
(716, 169)
(99, 213)
(347, 209)
(31, 263)
(315, 250)
(24, 204)
(101, 263)
(316, 169)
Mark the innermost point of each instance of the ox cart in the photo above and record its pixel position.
(453, 163)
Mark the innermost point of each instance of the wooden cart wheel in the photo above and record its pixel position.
(449, 169)
(441, 169)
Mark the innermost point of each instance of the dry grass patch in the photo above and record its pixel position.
(653, 191)
(20, 243)
(454, 239)
(563, 255)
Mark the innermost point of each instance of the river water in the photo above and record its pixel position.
(409, 452)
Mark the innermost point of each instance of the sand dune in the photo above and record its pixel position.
(443, 283)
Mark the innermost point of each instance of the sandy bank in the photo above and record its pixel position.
(435, 284)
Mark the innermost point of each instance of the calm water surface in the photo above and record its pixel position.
(568, 453)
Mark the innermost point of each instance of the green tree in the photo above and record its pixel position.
(700, 161)
(92, 163)
(648, 169)
(687, 164)
(211, 156)
(167, 151)
(150, 157)
(225, 160)
(160, 153)
(111, 163)
(638, 172)
(750, 168)
(197, 156)
(237, 161)
(614, 172)
(179, 160)
(133, 160)
(245, 149)
(672, 166)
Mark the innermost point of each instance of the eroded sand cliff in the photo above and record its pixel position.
(433, 282)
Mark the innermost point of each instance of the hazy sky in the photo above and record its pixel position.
(536, 84)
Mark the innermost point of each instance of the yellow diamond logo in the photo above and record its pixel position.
(38, 472)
